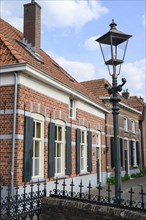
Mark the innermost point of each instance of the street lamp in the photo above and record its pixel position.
(113, 46)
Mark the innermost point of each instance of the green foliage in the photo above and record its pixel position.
(125, 177)
(111, 180)
(140, 174)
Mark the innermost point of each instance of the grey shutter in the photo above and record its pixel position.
(89, 151)
(28, 145)
(68, 170)
(131, 146)
(51, 150)
(112, 153)
(121, 151)
(137, 152)
(78, 140)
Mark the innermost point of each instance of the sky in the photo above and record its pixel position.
(69, 29)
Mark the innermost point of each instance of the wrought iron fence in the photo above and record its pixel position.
(23, 205)
(27, 204)
(97, 197)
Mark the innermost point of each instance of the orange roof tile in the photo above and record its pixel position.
(97, 88)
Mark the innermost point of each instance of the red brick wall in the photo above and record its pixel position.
(29, 100)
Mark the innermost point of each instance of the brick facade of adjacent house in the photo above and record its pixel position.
(131, 150)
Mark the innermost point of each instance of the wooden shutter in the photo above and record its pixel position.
(51, 150)
(78, 140)
(68, 170)
(28, 147)
(112, 153)
(121, 151)
(137, 152)
(89, 151)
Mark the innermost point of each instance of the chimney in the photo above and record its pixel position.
(126, 94)
(32, 17)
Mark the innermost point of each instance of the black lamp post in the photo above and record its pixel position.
(115, 43)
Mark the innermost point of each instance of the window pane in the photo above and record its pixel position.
(59, 133)
(82, 137)
(33, 129)
(55, 132)
(38, 130)
(82, 151)
(82, 163)
(36, 169)
(37, 149)
(58, 150)
(58, 165)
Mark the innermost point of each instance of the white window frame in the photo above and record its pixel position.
(83, 150)
(134, 153)
(72, 108)
(61, 143)
(37, 118)
(133, 127)
(125, 124)
(126, 147)
(98, 145)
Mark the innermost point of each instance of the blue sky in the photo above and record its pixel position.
(69, 30)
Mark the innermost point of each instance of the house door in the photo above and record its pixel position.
(98, 164)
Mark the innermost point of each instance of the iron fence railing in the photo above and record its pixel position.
(97, 197)
(24, 205)
(26, 201)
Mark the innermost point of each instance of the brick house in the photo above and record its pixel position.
(129, 133)
(50, 125)
(138, 103)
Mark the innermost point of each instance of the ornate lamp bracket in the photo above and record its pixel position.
(115, 89)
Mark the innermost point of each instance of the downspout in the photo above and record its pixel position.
(14, 131)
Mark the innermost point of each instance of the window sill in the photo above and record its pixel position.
(135, 166)
(36, 180)
(72, 118)
(84, 173)
(61, 176)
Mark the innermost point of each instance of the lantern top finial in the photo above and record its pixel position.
(113, 25)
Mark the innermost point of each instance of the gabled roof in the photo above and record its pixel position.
(136, 102)
(14, 51)
(97, 88)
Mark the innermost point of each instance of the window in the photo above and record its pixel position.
(98, 156)
(126, 154)
(125, 124)
(38, 148)
(72, 109)
(59, 148)
(133, 126)
(83, 150)
(133, 153)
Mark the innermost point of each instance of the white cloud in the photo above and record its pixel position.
(79, 70)
(73, 13)
(11, 11)
(91, 44)
(61, 13)
(135, 74)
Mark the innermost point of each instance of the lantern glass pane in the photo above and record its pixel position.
(119, 50)
(106, 52)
